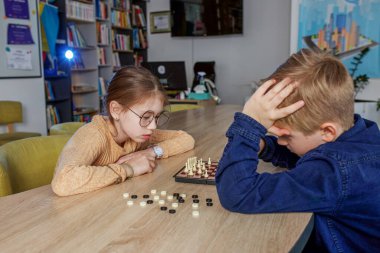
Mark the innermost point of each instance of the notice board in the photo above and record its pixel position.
(19, 39)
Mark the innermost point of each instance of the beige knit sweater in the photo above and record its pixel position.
(88, 160)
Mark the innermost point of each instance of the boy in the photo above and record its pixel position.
(333, 156)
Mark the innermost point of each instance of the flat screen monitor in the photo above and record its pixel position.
(206, 17)
(172, 74)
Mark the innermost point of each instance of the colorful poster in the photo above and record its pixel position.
(18, 9)
(19, 35)
(344, 27)
(19, 58)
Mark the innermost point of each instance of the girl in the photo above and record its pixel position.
(124, 144)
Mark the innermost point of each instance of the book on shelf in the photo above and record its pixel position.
(120, 19)
(102, 60)
(102, 32)
(138, 16)
(143, 40)
(121, 42)
(82, 118)
(102, 87)
(49, 90)
(121, 4)
(74, 36)
(138, 58)
(52, 115)
(80, 10)
(136, 39)
(116, 59)
(101, 9)
(77, 62)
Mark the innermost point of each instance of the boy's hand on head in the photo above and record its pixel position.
(263, 104)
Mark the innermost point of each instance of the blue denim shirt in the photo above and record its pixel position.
(338, 181)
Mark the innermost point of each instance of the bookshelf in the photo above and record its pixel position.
(104, 50)
(82, 39)
(57, 80)
(104, 35)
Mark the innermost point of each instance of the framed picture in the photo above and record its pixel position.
(340, 27)
(160, 22)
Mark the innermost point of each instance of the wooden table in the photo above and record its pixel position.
(101, 221)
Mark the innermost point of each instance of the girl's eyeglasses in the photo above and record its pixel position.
(148, 116)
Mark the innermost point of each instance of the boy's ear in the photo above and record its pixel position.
(329, 131)
(115, 109)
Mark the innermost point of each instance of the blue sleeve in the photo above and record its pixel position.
(311, 186)
(278, 155)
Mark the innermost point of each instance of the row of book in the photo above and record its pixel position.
(77, 61)
(121, 41)
(49, 90)
(116, 60)
(139, 39)
(102, 33)
(102, 58)
(122, 4)
(74, 36)
(52, 115)
(138, 17)
(101, 9)
(102, 87)
(79, 10)
(82, 118)
(120, 19)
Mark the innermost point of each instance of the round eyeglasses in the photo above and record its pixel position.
(148, 116)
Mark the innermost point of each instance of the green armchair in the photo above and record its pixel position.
(29, 163)
(65, 128)
(10, 113)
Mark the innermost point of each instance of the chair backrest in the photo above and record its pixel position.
(206, 66)
(65, 128)
(29, 163)
(10, 112)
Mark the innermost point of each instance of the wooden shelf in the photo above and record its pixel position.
(121, 28)
(122, 51)
(80, 20)
(84, 110)
(84, 70)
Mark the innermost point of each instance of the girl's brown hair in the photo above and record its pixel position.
(325, 86)
(132, 85)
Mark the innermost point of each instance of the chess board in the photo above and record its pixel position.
(181, 175)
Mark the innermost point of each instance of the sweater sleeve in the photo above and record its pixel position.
(75, 172)
(172, 142)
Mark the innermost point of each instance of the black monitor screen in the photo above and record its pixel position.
(206, 17)
(172, 75)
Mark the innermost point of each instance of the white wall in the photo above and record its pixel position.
(30, 92)
(240, 59)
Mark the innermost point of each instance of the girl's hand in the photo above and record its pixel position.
(263, 104)
(142, 165)
(142, 162)
(149, 153)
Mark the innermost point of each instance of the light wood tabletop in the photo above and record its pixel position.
(100, 221)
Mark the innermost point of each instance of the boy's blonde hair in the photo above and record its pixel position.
(325, 86)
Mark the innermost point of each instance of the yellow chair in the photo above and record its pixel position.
(29, 163)
(65, 128)
(10, 113)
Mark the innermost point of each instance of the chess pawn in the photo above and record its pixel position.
(209, 162)
(199, 170)
(186, 168)
(206, 174)
(190, 173)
